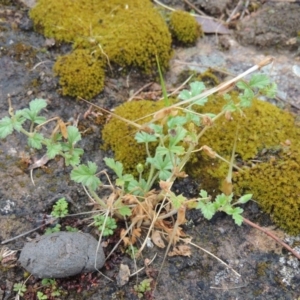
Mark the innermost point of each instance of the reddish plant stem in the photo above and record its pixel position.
(274, 237)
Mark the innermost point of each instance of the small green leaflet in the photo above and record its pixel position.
(201, 101)
(177, 200)
(117, 167)
(124, 211)
(53, 148)
(242, 85)
(177, 135)
(158, 129)
(193, 118)
(222, 200)
(108, 227)
(176, 121)
(60, 208)
(85, 174)
(163, 164)
(136, 188)
(208, 209)
(6, 127)
(259, 81)
(230, 107)
(244, 199)
(237, 217)
(35, 141)
(160, 150)
(73, 135)
(196, 88)
(31, 113)
(184, 95)
(37, 105)
(144, 137)
(203, 194)
(270, 91)
(73, 157)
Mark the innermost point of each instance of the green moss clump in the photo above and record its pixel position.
(127, 33)
(81, 73)
(119, 136)
(184, 27)
(262, 126)
(275, 185)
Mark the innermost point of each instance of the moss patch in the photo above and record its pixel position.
(127, 33)
(275, 184)
(184, 27)
(119, 136)
(81, 73)
(262, 126)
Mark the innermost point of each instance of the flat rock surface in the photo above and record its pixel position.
(61, 254)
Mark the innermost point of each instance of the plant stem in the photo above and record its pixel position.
(274, 237)
(99, 200)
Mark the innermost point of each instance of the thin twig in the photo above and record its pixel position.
(40, 63)
(144, 266)
(274, 237)
(199, 11)
(138, 91)
(209, 253)
(228, 288)
(173, 9)
(245, 9)
(234, 11)
(217, 258)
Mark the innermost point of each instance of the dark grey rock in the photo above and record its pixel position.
(61, 254)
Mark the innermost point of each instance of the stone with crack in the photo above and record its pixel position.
(61, 254)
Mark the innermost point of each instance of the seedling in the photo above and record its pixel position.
(106, 228)
(60, 208)
(50, 230)
(143, 287)
(52, 284)
(41, 296)
(20, 288)
(28, 121)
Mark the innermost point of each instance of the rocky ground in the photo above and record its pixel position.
(266, 271)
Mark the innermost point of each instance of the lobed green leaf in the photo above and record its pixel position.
(117, 167)
(73, 135)
(144, 137)
(35, 141)
(85, 174)
(6, 127)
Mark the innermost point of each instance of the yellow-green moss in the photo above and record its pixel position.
(275, 185)
(127, 33)
(184, 27)
(81, 73)
(263, 126)
(119, 136)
